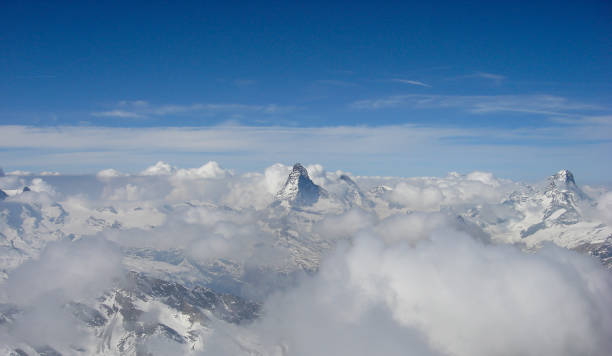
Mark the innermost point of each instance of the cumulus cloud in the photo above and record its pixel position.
(109, 173)
(19, 173)
(49, 173)
(604, 207)
(211, 169)
(160, 168)
(71, 270)
(429, 194)
(41, 288)
(405, 273)
(449, 295)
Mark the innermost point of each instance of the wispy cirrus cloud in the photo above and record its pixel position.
(492, 76)
(411, 82)
(497, 79)
(603, 120)
(335, 82)
(549, 105)
(117, 113)
(143, 109)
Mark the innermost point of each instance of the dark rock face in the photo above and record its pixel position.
(601, 250)
(87, 314)
(47, 351)
(189, 301)
(299, 189)
(3, 195)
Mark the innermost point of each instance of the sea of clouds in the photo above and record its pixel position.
(405, 279)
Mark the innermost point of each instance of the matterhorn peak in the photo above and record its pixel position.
(298, 168)
(563, 181)
(299, 189)
(563, 177)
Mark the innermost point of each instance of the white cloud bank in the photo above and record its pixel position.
(416, 280)
(450, 295)
(388, 150)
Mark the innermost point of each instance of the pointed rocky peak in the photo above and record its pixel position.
(26, 189)
(562, 178)
(299, 189)
(298, 169)
(3, 195)
(563, 181)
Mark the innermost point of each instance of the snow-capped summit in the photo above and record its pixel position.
(557, 211)
(299, 189)
(562, 192)
(563, 179)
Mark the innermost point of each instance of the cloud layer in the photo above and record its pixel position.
(400, 267)
(384, 150)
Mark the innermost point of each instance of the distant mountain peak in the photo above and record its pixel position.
(563, 181)
(299, 169)
(563, 177)
(353, 194)
(3, 195)
(348, 180)
(299, 189)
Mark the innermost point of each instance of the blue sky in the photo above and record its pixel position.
(517, 88)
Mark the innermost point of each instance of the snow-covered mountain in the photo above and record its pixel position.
(192, 266)
(138, 312)
(557, 211)
(299, 190)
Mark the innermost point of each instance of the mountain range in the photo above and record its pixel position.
(191, 295)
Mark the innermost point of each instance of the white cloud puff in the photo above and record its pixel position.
(109, 173)
(209, 170)
(70, 270)
(449, 295)
(604, 207)
(160, 168)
